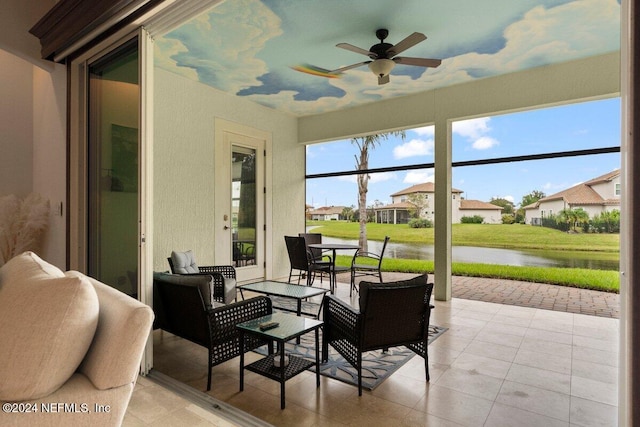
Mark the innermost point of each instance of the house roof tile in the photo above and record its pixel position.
(583, 193)
(477, 205)
(327, 210)
(427, 187)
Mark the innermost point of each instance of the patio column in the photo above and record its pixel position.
(442, 231)
(629, 374)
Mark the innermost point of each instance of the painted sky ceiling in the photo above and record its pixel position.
(248, 47)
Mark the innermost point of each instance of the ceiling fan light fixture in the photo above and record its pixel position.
(382, 67)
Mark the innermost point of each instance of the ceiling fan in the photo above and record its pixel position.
(383, 57)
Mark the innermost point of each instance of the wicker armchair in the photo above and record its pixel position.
(180, 310)
(391, 314)
(224, 276)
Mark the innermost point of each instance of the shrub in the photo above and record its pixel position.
(476, 219)
(420, 223)
(508, 219)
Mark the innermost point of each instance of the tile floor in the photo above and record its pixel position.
(497, 365)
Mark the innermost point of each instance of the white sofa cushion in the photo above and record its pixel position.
(47, 323)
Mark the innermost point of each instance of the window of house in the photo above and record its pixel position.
(617, 189)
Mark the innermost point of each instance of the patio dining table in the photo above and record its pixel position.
(333, 247)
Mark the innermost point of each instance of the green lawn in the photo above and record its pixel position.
(508, 236)
(515, 236)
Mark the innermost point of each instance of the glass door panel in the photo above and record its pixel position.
(113, 155)
(243, 206)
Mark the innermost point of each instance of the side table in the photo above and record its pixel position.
(289, 327)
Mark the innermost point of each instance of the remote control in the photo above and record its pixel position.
(268, 325)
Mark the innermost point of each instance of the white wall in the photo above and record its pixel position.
(184, 169)
(16, 126)
(33, 111)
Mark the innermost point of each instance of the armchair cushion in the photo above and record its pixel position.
(47, 323)
(230, 289)
(184, 262)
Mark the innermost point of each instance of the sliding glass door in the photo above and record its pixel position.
(113, 158)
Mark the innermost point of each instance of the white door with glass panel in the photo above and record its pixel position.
(240, 205)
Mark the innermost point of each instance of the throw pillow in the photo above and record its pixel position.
(47, 323)
(184, 262)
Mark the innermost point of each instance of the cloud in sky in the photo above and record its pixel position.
(472, 128)
(475, 131)
(427, 131)
(413, 148)
(484, 143)
(373, 178)
(418, 177)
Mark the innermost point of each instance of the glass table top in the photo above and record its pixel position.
(290, 326)
(284, 289)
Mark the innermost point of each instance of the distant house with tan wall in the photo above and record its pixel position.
(595, 196)
(400, 210)
(327, 213)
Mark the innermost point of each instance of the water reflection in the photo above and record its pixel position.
(473, 254)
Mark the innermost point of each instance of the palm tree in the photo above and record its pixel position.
(364, 144)
(567, 216)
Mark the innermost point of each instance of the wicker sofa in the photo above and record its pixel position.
(71, 346)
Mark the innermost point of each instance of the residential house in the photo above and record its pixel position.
(185, 126)
(598, 195)
(401, 209)
(327, 213)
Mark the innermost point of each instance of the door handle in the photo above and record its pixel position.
(226, 227)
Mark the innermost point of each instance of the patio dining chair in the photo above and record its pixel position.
(302, 260)
(367, 264)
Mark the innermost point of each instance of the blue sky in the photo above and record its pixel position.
(586, 125)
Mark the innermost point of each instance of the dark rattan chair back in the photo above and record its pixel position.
(391, 314)
(310, 239)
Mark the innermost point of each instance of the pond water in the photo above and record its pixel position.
(473, 254)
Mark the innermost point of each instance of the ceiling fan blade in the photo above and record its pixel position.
(409, 41)
(383, 80)
(421, 62)
(348, 67)
(356, 49)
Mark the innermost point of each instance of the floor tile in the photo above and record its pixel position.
(596, 391)
(587, 413)
(533, 399)
(471, 382)
(497, 365)
(475, 364)
(537, 359)
(509, 416)
(455, 406)
(540, 378)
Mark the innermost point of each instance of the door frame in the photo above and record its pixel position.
(78, 167)
(222, 192)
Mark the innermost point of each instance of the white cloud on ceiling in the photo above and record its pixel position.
(227, 55)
